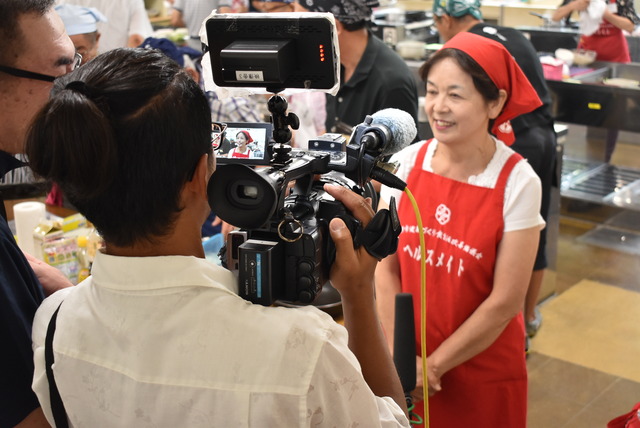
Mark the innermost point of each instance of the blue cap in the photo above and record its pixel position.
(79, 19)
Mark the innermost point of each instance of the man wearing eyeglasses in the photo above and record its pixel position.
(35, 50)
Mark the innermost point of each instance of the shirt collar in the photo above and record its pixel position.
(161, 272)
(9, 162)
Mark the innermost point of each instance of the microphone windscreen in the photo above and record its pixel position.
(402, 126)
(404, 342)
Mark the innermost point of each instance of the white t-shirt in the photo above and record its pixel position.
(167, 342)
(194, 12)
(523, 192)
(124, 18)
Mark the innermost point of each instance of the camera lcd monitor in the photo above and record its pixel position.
(273, 51)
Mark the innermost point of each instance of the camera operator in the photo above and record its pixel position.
(158, 336)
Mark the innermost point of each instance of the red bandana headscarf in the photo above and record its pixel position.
(505, 73)
(247, 136)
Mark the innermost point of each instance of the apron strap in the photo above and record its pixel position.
(506, 171)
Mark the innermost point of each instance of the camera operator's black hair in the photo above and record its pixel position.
(10, 34)
(121, 135)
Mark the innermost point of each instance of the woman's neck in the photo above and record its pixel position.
(461, 161)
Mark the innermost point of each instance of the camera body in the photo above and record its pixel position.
(283, 250)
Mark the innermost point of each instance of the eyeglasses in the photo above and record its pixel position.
(77, 60)
(217, 133)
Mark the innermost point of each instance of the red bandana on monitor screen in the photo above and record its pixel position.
(505, 73)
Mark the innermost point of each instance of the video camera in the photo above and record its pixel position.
(283, 250)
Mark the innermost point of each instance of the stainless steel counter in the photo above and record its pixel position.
(587, 100)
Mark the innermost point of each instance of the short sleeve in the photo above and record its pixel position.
(522, 199)
(139, 23)
(339, 396)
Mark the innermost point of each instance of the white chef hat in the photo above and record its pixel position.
(79, 19)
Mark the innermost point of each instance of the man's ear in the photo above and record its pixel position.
(201, 175)
(446, 21)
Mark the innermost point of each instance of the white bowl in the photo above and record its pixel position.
(583, 57)
(564, 55)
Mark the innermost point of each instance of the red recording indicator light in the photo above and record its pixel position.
(321, 49)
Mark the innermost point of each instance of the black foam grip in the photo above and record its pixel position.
(404, 342)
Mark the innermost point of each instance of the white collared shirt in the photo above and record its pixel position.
(166, 342)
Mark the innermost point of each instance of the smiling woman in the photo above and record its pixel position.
(480, 203)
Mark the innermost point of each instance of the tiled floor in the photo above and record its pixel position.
(563, 394)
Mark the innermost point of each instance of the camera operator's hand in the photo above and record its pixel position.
(352, 275)
(352, 271)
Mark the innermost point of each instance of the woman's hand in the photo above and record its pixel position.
(433, 378)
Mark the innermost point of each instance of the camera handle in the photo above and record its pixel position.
(278, 105)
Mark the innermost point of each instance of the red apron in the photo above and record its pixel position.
(463, 227)
(608, 41)
(237, 154)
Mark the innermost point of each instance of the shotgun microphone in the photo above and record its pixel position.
(404, 342)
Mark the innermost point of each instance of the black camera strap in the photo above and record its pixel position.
(380, 237)
(57, 406)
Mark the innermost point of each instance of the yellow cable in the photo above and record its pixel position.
(423, 306)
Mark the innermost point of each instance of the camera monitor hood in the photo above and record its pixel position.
(274, 51)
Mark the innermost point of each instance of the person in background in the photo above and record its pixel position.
(127, 22)
(273, 6)
(535, 135)
(192, 13)
(182, 348)
(310, 107)
(35, 51)
(480, 205)
(81, 26)
(373, 77)
(609, 41)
